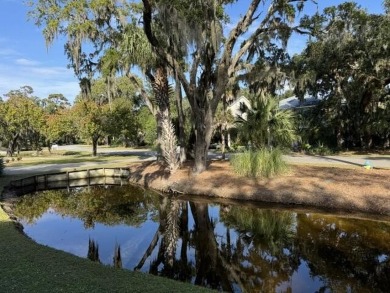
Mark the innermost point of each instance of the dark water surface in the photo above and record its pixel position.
(229, 247)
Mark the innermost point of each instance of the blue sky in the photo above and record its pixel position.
(25, 60)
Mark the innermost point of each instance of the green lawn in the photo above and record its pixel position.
(29, 159)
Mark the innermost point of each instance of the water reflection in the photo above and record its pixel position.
(225, 247)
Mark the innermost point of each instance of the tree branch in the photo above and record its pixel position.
(241, 27)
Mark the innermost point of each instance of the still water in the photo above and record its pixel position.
(229, 247)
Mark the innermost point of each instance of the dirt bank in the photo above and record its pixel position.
(339, 189)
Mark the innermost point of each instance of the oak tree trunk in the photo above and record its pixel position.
(12, 145)
(95, 139)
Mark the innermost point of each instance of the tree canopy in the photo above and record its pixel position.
(346, 65)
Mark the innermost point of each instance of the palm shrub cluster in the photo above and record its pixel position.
(266, 125)
(266, 129)
(259, 163)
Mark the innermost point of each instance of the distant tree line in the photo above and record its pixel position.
(28, 122)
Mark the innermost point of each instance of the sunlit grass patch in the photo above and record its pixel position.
(3, 216)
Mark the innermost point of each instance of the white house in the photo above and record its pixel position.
(237, 105)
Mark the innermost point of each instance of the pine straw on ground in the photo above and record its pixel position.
(335, 188)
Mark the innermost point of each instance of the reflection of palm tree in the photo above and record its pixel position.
(173, 216)
(93, 250)
(172, 231)
(117, 259)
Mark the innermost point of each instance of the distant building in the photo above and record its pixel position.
(294, 103)
(237, 106)
(289, 103)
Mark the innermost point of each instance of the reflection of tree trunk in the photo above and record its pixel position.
(212, 267)
(228, 244)
(208, 267)
(206, 245)
(148, 251)
(93, 251)
(185, 271)
(161, 231)
(117, 259)
(172, 232)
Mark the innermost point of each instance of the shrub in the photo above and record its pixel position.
(320, 150)
(1, 166)
(261, 163)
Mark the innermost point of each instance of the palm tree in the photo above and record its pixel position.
(136, 50)
(265, 125)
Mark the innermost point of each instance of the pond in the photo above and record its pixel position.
(226, 246)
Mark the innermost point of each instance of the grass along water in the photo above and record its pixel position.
(261, 163)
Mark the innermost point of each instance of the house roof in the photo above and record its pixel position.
(293, 102)
(235, 108)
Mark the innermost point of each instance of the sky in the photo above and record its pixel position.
(25, 59)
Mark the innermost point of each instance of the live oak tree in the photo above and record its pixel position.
(22, 120)
(346, 64)
(60, 127)
(96, 116)
(92, 120)
(215, 57)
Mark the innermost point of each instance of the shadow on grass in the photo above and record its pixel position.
(337, 160)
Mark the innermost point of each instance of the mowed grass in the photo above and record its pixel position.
(26, 266)
(59, 157)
